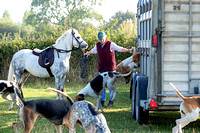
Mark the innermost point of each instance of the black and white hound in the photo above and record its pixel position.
(7, 89)
(96, 87)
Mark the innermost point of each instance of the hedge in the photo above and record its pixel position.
(9, 45)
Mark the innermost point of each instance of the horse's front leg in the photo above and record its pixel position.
(62, 82)
(59, 80)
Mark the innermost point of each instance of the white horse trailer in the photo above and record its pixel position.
(168, 38)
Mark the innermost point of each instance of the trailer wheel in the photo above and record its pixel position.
(133, 104)
(141, 116)
(131, 89)
(133, 93)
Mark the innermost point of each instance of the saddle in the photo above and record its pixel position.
(46, 58)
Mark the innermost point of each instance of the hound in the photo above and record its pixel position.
(53, 110)
(6, 88)
(88, 115)
(129, 64)
(189, 109)
(96, 87)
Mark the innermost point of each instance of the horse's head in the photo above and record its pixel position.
(78, 41)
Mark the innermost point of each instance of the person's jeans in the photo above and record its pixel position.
(104, 94)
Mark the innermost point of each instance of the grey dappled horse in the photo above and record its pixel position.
(24, 62)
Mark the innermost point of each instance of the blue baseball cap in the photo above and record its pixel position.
(101, 35)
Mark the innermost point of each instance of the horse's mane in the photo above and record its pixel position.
(63, 36)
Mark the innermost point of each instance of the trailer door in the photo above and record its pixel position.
(180, 48)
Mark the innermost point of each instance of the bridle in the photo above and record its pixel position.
(76, 38)
(82, 58)
(66, 51)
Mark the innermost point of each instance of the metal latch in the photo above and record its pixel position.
(177, 7)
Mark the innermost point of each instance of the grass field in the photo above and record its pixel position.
(118, 117)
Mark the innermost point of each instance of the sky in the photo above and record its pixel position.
(17, 8)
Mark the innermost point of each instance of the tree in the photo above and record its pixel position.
(7, 26)
(6, 16)
(30, 18)
(121, 16)
(67, 13)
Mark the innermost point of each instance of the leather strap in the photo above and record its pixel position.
(49, 71)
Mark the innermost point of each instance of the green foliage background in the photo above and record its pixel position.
(9, 45)
(33, 33)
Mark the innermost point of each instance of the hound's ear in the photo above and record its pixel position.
(81, 97)
(110, 74)
(66, 120)
(11, 83)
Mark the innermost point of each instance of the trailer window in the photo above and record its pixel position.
(146, 32)
(149, 29)
(141, 31)
(150, 6)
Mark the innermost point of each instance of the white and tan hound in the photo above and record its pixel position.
(129, 64)
(189, 109)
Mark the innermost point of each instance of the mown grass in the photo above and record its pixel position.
(118, 117)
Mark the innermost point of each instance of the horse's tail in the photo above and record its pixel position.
(11, 72)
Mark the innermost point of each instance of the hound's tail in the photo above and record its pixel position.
(121, 75)
(68, 97)
(11, 72)
(180, 95)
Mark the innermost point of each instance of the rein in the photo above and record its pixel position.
(83, 66)
(65, 51)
